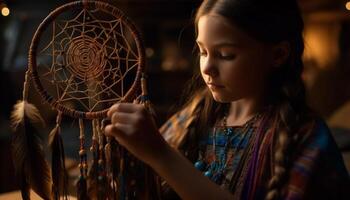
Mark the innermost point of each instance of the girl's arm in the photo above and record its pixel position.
(134, 128)
(184, 178)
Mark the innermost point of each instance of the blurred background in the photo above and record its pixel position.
(169, 38)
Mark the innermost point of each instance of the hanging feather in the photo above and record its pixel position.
(59, 173)
(29, 159)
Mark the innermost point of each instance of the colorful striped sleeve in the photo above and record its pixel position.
(318, 171)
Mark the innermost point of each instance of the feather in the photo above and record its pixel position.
(59, 173)
(28, 156)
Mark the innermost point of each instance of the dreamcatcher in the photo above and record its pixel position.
(84, 57)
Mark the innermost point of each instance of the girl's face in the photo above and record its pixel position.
(233, 64)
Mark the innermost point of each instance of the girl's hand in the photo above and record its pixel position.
(134, 128)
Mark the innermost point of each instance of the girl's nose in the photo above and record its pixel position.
(208, 66)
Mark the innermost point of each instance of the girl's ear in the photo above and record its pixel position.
(281, 52)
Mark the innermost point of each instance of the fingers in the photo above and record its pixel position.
(118, 131)
(123, 107)
(123, 118)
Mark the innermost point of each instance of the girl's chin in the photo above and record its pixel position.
(223, 98)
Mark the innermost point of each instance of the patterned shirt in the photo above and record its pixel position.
(228, 150)
(317, 170)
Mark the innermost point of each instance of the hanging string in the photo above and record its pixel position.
(83, 166)
(93, 173)
(103, 187)
(58, 167)
(110, 151)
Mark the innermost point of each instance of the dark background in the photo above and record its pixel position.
(168, 34)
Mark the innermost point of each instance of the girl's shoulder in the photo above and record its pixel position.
(315, 134)
(318, 168)
(178, 125)
(316, 142)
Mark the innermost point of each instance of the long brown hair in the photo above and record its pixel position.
(269, 21)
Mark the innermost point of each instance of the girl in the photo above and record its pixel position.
(247, 133)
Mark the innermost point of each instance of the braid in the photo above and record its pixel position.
(283, 147)
(290, 115)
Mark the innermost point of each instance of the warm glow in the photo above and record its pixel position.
(347, 5)
(5, 11)
(321, 44)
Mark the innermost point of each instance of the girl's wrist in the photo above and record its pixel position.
(162, 155)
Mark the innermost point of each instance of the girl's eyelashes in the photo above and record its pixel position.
(227, 56)
(223, 56)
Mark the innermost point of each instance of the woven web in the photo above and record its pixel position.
(89, 61)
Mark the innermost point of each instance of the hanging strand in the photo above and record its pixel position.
(103, 187)
(93, 173)
(58, 167)
(110, 151)
(82, 185)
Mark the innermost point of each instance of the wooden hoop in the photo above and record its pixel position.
(85, 5)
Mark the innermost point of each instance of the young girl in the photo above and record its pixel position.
(247, 133)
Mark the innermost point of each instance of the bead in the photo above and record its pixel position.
(217, 178)
(229, 132)
(100, 178)
(85, 166)
(133, 182)
(208, 174)
(200, 165)
(82, 152)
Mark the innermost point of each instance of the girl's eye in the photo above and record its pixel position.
(227, 56)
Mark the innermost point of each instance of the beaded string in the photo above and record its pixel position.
(101, 163)
(109, 163)
(83, 166)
